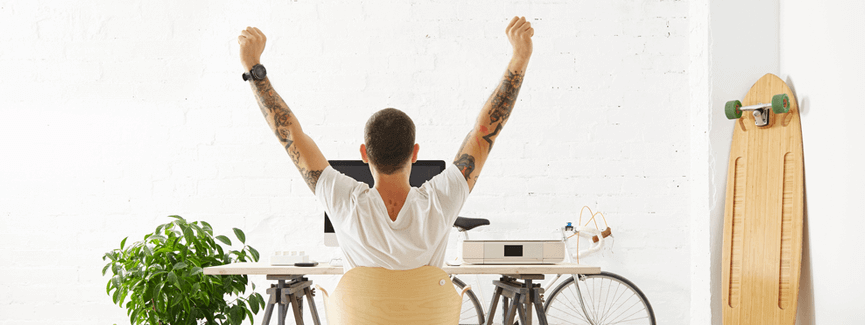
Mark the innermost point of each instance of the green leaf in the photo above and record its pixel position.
(122, 297)
(207, 228)
(224, 240)
(173, 278)
(261, 300)
(157, 237)
(104, 269)
(158, 291)
(177, 217)
(115, 280)
(250, 316)
(240, 235)
(235, 314)
(254, 253)
(148, 292)
(176, 300)
(195, 226)
(195, 270)
(253, 303)
(123, 242)
(188, 234)
(179, 265)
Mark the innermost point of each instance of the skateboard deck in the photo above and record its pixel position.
(762, 248)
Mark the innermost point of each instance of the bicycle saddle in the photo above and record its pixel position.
(469, 223)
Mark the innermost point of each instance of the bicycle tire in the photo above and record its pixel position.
(561, 305)
(468, 311)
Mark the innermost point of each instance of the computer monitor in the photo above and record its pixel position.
(421, 171)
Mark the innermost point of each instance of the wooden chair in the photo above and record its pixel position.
(374, 295)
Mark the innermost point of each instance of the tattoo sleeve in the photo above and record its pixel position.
(311, 177)
(285, 126)
(472, 154)
(466, 164)
(503, 99)
(275, 111)
(501, 103)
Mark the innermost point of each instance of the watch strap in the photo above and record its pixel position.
(251, 75)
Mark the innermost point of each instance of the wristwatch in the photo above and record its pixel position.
(258, 72)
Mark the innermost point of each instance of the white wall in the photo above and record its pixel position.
(116, 114)
(699, 86)
(821, 58)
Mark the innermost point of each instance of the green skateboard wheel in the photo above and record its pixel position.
(732, 109)
(780, 103)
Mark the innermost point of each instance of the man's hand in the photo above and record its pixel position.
(251, 45)
(520, 34)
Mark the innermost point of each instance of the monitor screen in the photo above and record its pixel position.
(421, 171)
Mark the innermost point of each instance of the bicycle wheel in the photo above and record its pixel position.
(471, 313)
(607, 298)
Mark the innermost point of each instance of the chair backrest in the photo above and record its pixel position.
(374, 295)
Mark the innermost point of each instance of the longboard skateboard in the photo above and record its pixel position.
(763, 211)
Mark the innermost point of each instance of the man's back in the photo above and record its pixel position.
(370, 238)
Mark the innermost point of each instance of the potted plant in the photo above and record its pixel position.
(162, 277)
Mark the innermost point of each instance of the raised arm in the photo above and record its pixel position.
(495, 113)
(300, 147)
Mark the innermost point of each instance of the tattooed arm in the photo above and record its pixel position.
(479, 142)
(300, 147)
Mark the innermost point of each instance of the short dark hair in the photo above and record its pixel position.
(389, 138)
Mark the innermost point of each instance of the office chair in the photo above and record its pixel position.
(374, 295)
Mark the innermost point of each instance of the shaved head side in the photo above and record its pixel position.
(389, 139)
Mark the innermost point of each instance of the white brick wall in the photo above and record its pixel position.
(116, 114)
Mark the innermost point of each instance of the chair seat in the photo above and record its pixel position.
(365, 295)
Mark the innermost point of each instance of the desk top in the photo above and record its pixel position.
(325, 268)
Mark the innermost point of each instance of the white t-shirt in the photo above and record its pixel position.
(368, 236)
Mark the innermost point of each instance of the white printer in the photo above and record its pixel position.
(513, 251)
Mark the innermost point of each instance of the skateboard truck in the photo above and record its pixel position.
(780, 104)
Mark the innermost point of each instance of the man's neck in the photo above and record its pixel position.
(396, 183)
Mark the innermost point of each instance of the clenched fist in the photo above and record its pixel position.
(520, 34)
(251, 45)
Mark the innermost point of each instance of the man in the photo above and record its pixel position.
(392, 225)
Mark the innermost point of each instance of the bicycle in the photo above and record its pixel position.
(594, 299)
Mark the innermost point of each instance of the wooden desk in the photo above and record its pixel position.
(267, 269)
(325, 268)
(523, 295)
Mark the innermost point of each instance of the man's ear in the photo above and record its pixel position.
(414, 155)
(363, 153)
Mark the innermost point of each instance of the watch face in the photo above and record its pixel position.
(259, 72)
